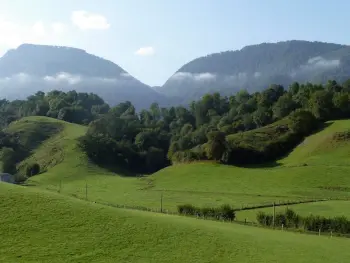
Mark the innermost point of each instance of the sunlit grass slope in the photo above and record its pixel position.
(39, 226)
(331, 147)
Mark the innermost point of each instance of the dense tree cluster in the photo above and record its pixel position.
(226, 129)
(70, 106)
(240, 129)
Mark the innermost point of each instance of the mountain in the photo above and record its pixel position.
(256, 67)
(31, 68)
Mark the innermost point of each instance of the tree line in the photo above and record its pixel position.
(227, 129)
(290, 219)
(215, 127)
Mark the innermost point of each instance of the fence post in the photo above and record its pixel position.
(274, 215)
(161, 202)
(60, 187)
(282, 227)
(319, 232)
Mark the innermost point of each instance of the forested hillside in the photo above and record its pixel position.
(241, 129)
(255, 67)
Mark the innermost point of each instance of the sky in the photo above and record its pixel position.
(152, 39)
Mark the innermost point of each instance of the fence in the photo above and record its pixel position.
(83, 194)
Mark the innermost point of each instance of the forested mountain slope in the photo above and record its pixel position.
(31, 68)
(256, 67)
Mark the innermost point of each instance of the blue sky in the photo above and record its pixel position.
(152, 39)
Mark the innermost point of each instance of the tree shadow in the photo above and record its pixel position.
(117, 170)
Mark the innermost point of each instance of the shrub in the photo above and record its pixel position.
(225, 212)
(186, 209)
(264, 219)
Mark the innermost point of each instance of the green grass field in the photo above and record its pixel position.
(41, 226)
(201, 184)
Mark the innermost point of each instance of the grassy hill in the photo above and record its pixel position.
(330, 147)
(201, 184)
(39, 226)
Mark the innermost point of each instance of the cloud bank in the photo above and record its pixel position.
(208, 77)
(316, 64)
(21, 85)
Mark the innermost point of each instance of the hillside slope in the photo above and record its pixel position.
(331, 146)
(202, 184)
(57, 152)
(256, 67)
(44, 227)
(30, 68)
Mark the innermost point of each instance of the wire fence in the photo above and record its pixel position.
(83, 194)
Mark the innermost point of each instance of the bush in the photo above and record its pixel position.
(264, 219)
(309, 223)
(225, 212)
(32, 169)
(186, 209)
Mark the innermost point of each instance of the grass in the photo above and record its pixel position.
(200, 184)
(40, 226)
(325, 148)
(327, 209)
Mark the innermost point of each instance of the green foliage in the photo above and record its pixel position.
(310, 223)
(8, 160)
(224, 212)
(240, 129)
(71, 106)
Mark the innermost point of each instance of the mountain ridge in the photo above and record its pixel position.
(255, 67)
(31, 68)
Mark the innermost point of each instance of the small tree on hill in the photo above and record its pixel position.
(216, 145)
(8, 160)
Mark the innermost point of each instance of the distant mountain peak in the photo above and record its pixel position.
(255, 67)
(27, 46)
(30, 68)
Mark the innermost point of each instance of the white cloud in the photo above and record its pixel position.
(316, 64)
(257, 74)
(319, 62)
(125, 75)
(38, 29)
(204, 76)
(145, 51)
(64, 77)
(180, 76)
(58, 27)
(13, 34)
(85, 20)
